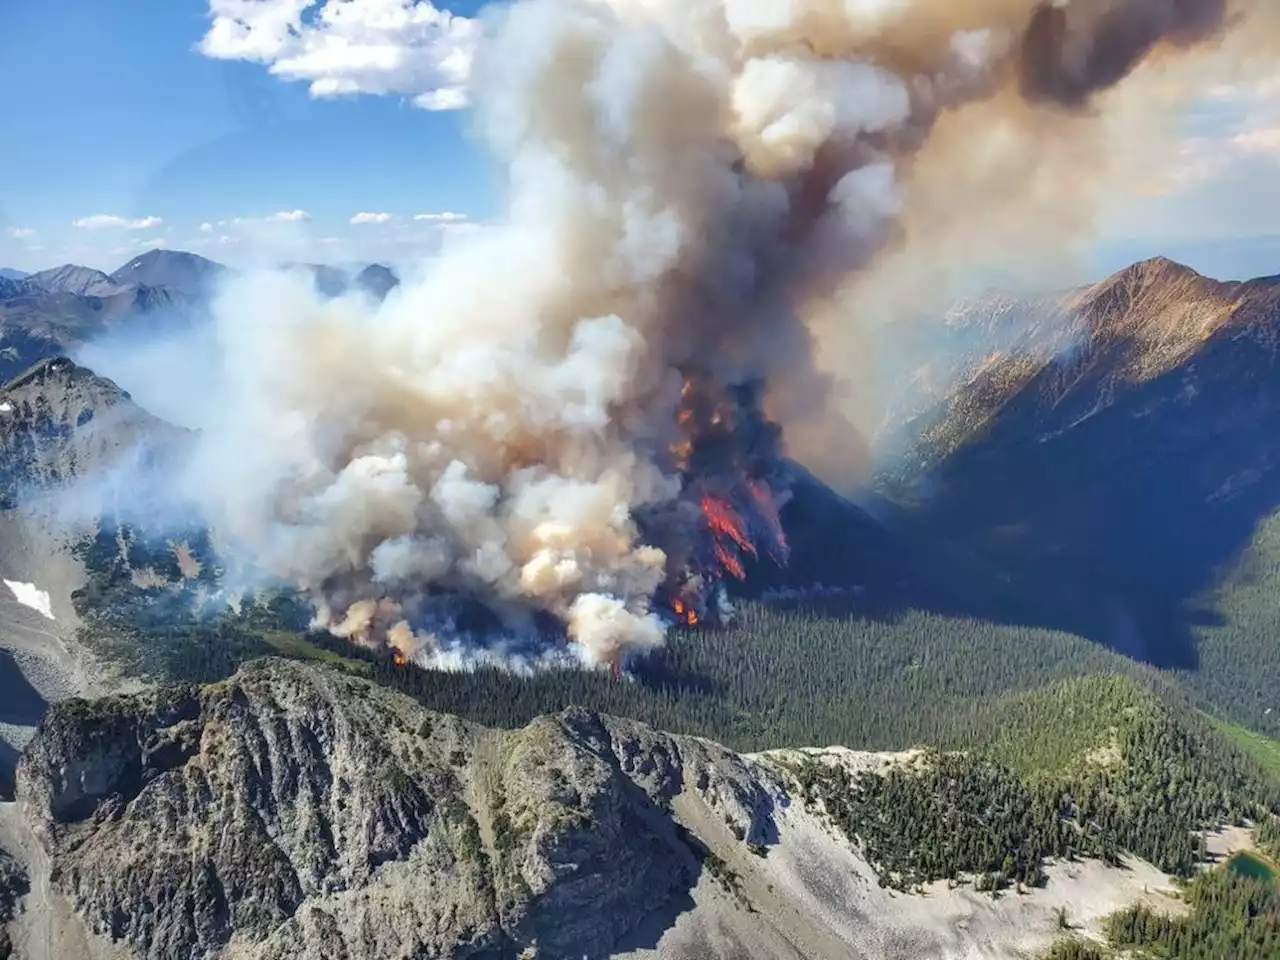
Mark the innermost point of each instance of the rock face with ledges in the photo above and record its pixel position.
(59, 421)
(291, 812)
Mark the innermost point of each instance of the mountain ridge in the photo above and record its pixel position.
(187, 273)
(70, 278)
(1120, 452)
(291, 811)
(58, 310)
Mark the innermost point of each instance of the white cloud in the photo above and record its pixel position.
(206, 228)
(344, 47)
(445, 216)
(104, 221)
(21, 233)
(1239, 126)
(280, 216)
(360, 218)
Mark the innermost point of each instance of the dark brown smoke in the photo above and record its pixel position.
(1075, 49)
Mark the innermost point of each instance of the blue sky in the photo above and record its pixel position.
(111, 111)
(163, 122)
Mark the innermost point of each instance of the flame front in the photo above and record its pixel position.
(724, 447)
(728, 531)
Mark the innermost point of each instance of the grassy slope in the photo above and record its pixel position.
(298, 647)
(1264, 750)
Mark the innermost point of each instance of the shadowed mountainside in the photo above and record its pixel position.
(1121, 451)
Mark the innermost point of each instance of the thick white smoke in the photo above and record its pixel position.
(686, 179)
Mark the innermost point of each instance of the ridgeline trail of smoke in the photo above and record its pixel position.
(691, 183)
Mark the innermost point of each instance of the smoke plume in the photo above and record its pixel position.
(577, 416)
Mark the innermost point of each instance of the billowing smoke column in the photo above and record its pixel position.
(564, 417)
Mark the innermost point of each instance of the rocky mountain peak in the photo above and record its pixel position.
(70, 278)
(312, 814)
(186, 273)
(59, 420)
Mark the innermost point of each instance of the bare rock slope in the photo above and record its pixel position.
(59, 421)
(291, 812)
(295, 812)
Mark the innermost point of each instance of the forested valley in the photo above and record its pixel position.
(1042, 745)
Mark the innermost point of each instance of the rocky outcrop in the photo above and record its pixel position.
(59, 421)
(291, 812)
(14, 885)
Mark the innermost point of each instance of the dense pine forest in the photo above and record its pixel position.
(1145, 785)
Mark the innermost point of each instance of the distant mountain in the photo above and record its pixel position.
(331, 281)
(83, 281)
(10, 288)
(7, 273)
(36, 322)
(377, 280)
(186, 273)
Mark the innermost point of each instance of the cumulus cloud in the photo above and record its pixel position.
(280, 216)
(363, 217)
(107, 221)
(21, 233)
(444, 216)
(346, 47)
(1245, 130)
(206, 228)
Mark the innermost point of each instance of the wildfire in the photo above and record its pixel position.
(398, 658)
(725, 524)
(724, 447)
(685, 613)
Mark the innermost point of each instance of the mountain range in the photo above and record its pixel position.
(1053, 620)
(58, 310)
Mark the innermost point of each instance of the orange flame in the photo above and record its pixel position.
(398, 658)
(685, 613)
(728, 530)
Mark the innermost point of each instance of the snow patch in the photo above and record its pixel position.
(29, 595)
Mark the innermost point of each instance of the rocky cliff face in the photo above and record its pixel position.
(14, 884)
(59, 421)
(291, 812)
